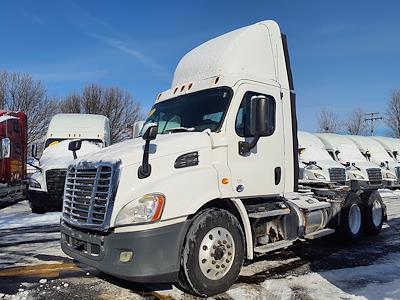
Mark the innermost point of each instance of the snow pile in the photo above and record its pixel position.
(59, 155)
(19, 215)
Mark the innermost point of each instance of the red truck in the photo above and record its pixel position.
(13, 156)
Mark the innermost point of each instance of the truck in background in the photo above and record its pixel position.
(318, 165)
(376, 153)
(391, 145)
(214, 179)
(46, 186)
(362, 174)
(13, 157)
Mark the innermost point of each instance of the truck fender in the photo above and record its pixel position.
(246, 226)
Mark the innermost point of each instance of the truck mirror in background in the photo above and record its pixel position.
(259, 122)
(34, 151)
(74, 146)
(150, 131)
(5, 148)
(137, 128)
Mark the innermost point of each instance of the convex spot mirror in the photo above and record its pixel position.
(74, 146)
(5, 148)
(259, 116)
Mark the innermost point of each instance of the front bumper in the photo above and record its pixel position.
(42, 199)
(391, 184)
(156, 252)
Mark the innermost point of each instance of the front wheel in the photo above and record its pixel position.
(213, 253)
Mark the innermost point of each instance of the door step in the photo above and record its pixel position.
(273, 246)
(319, 233)
(269, 213)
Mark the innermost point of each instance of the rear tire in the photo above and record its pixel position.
(351, 219)
(374, 214)
(213, 253)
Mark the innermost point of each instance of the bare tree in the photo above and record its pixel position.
(355, 123)
(328, 121)
(20, 92)
(116, 104)
(393, 114)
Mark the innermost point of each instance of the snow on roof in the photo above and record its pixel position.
(389, 143)
(253, 52)
(334, 141)
(4, 118)
(307, 139)
(365, 143)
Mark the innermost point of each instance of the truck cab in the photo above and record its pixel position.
(318, 165)
(391, 145)
(376, 153)
(13, 139)
(360, 171)
(214, 179)
(46, 185)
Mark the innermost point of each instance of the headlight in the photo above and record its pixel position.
(143, 210)
(389, 175)
(33, 183)
(319, 176)
(358, 176)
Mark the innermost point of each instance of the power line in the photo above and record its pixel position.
(373, 118)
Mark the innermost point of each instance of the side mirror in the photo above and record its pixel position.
(34, 151)
(259, 111)
(395, 153)
(150, 131)
(74, 146)
(5, 148)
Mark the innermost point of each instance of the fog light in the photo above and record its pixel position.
(125, 256)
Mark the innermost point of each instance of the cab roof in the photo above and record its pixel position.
(333, 141)
(390, 144)
(307, 139)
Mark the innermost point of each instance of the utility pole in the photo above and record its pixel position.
(372, 117)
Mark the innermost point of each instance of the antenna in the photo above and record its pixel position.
(372, 118)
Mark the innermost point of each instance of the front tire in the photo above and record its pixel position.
(213, 253)
(351, 220)
(374, 214)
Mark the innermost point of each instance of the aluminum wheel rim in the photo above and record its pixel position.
(216, 253)
(355, 219)
(377, 213)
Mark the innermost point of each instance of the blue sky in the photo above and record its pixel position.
(345, 54)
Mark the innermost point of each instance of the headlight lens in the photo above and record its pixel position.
(143, 210)
(319, 176)
(33, 183)
(389, 175)
(358, 176)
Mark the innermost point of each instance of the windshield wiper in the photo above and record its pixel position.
(180, 129)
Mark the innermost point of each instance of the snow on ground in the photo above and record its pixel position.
(19, 215)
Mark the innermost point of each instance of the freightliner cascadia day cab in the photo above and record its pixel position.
(318, 165)
(376, 153)
(13, 143)
(46, 186)
(391, 145)
(214, 179)
(361, 173)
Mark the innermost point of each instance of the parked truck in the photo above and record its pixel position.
(13, 143)
(376, 153)
(391, 145)
(318, 165)
(214, 179)
(46, 186)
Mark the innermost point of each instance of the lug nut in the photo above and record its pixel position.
(219, 242)
(229, 253)
(228, 246)
(217, 266)
(213, 262)
(223, 266)
(205, 248)
(227, 261)
(203, 261)
(224, 242)
(214, 247)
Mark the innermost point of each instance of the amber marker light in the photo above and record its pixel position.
(225, 180)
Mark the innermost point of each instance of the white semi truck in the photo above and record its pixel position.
(361, 173)
(318, 165)
(214, 179)
(377, 154)
(46, 185)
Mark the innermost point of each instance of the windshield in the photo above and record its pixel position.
(314, 154)
(349, 153)
(192, 112)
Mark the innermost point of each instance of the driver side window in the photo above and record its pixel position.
(242, 125)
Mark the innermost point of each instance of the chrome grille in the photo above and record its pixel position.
(88, 195)
(374, 175)
(337, 175)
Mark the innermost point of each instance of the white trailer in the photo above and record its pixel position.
(46, 185)
(318, 165)
(213, 181)
(377, 154)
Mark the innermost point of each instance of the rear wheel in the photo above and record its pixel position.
(351, 221)
(374, 214)
(213, 253)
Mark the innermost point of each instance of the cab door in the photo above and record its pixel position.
(259, 172)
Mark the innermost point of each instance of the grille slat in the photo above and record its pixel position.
(87, 196)
(337, 175)
(55, 181)
(375, 175)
